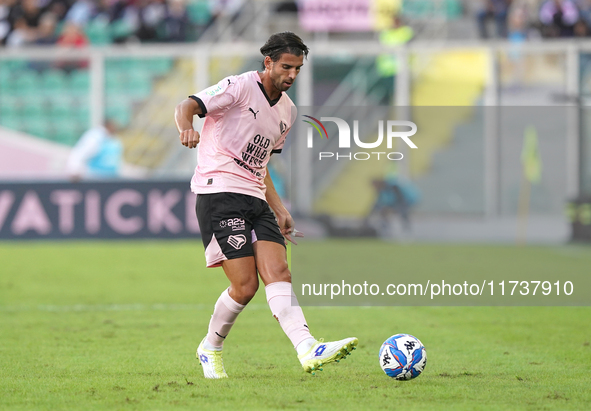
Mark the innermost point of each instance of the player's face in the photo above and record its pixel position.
(284, 71)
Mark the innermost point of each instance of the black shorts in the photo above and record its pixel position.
(230, 223)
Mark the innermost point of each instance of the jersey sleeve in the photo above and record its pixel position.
(219, 97)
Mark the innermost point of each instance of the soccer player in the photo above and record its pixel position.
(247, 118)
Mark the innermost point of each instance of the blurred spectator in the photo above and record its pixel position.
(46, 32)
(151, 14)
(108, 10)
(581, 29)
(585, 13)
(6, 14)
(496, 10)
(21, 34)
(4, 24)
(518, 25)
(98, 154)
(176, 23)
(399, 34)
(559, 18)
(58, 7)
(529, 11)
(394, 197)
(29, 11)
(24, 19)
(44, 36)
(518, 34)
(119, 15)
(105, 21)
(72, 36)
(81, 12)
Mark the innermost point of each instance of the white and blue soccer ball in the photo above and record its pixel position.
(403, 357)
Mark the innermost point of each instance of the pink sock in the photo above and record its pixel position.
(224, 314)
(286, 309)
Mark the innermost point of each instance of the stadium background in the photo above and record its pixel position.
(475, 101)
(468, 171)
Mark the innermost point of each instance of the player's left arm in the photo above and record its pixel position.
(284, 219)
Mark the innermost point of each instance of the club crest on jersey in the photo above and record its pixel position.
(237, 241)
(282, 127)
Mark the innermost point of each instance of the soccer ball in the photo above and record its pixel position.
(403, 357)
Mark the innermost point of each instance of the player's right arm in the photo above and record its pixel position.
(183, 117)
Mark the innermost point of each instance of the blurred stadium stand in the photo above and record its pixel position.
(53, 103)
(468, 163)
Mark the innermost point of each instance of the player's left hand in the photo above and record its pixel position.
(294, 233)
(287, 227)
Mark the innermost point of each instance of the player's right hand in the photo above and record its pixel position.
(189, 138)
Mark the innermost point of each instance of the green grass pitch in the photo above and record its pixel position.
(115, 325)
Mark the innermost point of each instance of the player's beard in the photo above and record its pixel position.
(279, 83)
(287, 86)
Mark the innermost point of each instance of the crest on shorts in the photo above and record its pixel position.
(282, 127)
(237, 241)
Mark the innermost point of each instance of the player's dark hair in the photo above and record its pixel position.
(284, 42)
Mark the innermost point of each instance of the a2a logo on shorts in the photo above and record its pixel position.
(237, 224)
(237, 241)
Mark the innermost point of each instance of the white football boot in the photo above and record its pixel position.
(211, 362)
(326, 352)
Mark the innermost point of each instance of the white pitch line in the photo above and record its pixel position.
(139, 307)
(115, 307)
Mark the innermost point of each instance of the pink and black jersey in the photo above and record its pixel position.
(242, 128)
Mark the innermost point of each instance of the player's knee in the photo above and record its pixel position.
(281, 272)
(251, 289)
(245, 292)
